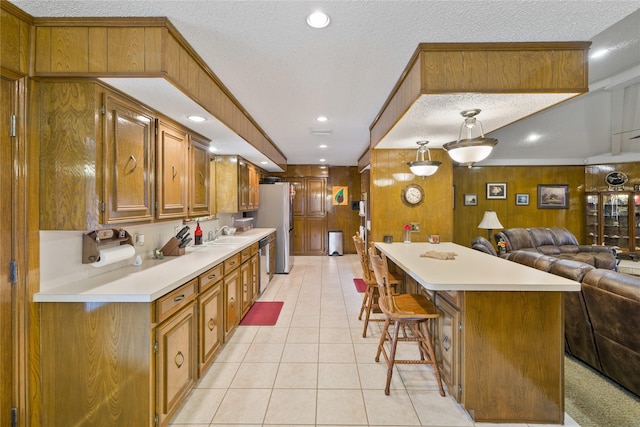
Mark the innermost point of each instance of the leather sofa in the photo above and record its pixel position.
(557, 242)
(601, 321)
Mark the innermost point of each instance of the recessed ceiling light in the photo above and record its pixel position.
(212, 149)
(322, 145)
(323, 160)
(533, 137)
(322, 119)
(318, 20)
(264, 163)
(197, 119)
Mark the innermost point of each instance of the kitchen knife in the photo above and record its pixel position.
(184, 242)
(182, 232)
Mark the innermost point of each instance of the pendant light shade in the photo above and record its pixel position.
(470, 150)
(421, 167)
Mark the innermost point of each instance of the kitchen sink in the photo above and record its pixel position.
(228, 240)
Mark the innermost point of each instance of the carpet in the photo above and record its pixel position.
(262, 314)
(361, 285)
(593, 400)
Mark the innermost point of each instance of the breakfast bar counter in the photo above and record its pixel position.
(500, 337)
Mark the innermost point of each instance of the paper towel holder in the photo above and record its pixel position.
(92, 241)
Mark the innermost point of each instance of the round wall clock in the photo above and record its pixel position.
(616, 179)
(412, 195)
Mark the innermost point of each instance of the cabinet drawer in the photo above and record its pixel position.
(254, 248)
(231, 263)
(245, 254)
(174, 301)
(210, 277)
(453, 297)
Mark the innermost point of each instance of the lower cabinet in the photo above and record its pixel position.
(447, 344)
(210, 317)
(176, 369)
(133, 363)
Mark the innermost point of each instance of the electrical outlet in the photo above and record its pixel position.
(415, 227)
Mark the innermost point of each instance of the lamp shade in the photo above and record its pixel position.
(470, 150)
(422, 167)
(490, 221)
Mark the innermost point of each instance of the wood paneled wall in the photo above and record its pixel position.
(595, 174)
(389, 175)
(519, 179)
(343, 217)
(16, 40)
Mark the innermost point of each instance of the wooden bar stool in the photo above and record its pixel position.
(371, 293)
(413, 311)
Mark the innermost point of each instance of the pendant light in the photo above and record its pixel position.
(423, 167)
(470, 150)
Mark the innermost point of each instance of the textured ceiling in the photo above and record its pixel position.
(286, 74)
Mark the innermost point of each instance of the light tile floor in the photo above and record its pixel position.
(314, 367)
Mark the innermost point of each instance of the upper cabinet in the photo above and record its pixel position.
(96, 160)
(128, 152)
(236, 185)
(172, 163)
(95, 157)
(199, 191)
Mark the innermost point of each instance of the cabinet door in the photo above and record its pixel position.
(447, 345)
(245, 283)
(254, 188)
(593, 219)
(616, 219)
(316, 235)
(172, 167)
(315, 188)
(255, 277)
(211, 324)
(299, 201)
(127, 176)
(243, 187)
(175, 361)
(232, 301)
(299, 235)
(199, 202)
(636, 221)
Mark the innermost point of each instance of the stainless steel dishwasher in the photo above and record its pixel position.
(263, 252)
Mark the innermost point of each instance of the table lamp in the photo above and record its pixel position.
(490, 222)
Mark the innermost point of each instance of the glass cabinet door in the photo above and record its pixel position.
(593, 234)
(616, 219)
(636, 220)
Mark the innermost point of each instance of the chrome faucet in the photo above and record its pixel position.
(219, 231)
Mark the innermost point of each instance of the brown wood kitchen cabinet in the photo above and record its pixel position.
(176, 349)
(232, 294)
(172, 171)
(309, 215)
(210, 316)
(236, 185)
(249, 277)
(447, 338)
(199, 192)
(104, 143)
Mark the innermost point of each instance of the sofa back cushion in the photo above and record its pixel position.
(541, 236)
(517, 239)
(573, 270)
(562, 237)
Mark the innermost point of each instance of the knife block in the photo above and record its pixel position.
(171, 248)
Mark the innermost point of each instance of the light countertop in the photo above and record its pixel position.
(471, 270)
(153, 278)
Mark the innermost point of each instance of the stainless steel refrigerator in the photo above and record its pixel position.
(276, 211)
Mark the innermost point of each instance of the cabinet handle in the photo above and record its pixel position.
(232, 263)
(446, 343)
(201, 178)
(178, 298)
(174, 172)
(179, 359)
(135, 163)
(232, 302)
(211, 324)
(211, 276)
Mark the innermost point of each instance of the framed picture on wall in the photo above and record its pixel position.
(551, 196)
(496, 190)
(471, 200)
(522, 199)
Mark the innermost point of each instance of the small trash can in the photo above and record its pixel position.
(336, 243)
